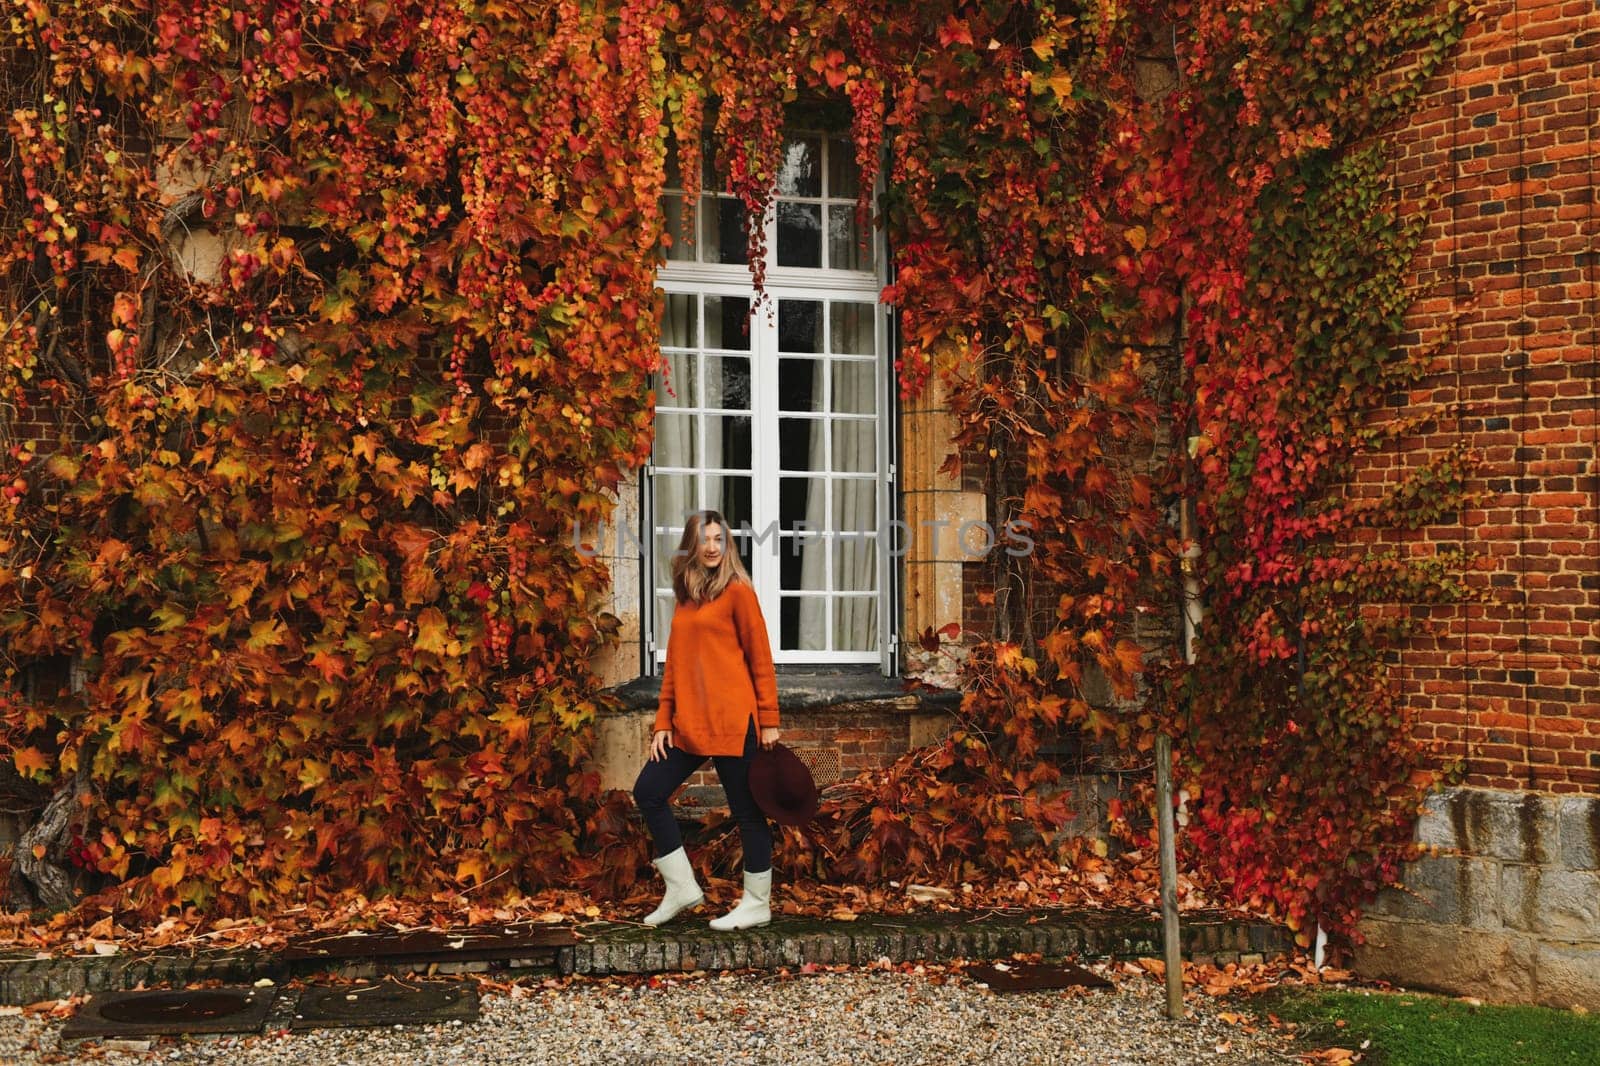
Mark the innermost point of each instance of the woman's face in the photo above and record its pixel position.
(711, 546)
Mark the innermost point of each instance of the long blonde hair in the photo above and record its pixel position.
(690, 578)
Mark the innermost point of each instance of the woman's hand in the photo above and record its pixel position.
(769, 737)
(660, 743)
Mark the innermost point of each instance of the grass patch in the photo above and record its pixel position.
(1410, 1029)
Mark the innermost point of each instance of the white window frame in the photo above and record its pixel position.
(803, 283)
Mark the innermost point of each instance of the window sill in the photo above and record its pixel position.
(818, 688)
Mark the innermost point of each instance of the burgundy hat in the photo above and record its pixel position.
(782, 786)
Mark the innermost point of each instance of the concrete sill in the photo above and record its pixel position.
(849, 688)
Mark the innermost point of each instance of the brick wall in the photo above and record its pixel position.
(851, 740)
(1505, 137)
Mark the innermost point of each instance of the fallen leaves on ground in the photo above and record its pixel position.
(1080, 879)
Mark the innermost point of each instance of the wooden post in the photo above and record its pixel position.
(1167, 835)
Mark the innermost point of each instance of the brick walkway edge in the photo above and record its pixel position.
(687, 945)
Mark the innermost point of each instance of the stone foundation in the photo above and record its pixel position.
(1507, 909)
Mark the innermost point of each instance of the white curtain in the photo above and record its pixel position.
(813, 548)
(855, 619)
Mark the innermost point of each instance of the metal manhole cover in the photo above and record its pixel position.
(196, 1010)
(1035, 976)
(386, 1002)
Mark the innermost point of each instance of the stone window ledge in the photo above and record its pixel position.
(819, 688)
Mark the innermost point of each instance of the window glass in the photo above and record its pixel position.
(679, 246)
(727, 442)
(845, 248)
(680, 320)
(728, 382)
(800, 384)
(800, 173)
(855, 623)
(676, 387)
(799, 235)
(852, 328)
(855, 505)
(844, 177)
(855, 564)
(722, 235)
(728, 323)
(855, 385)
(800, 326)
(855, 447)
(677, 439)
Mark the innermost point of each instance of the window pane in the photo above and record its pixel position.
(728, 382)
(802, 563)
(675, 496)
(708, 167)
(802, 623)
(722, 236)
(680, 320)
(727, 442)
(844, 177)
(664, 605)
(854, 387)
(677, 439)
(800, 384)
(800, 443)
(852, 329)
(666, 545)
(801, 172)
(855, 623)
(845, 250)
(800, 326)
(855, 564)
(799, 234)
(727, 323)
(801, 500)
(855, 505)
(753, 563)
(729, 494)
(676, 387)
(678, 249)
(855, 446)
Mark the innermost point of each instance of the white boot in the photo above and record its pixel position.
(683, 891)
(755, 906)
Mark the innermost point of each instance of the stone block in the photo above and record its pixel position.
(925, 442)
(1495, 966)
(620, 743)
(1579, 817)
(1568, 975)
(933, 595)
(1436, 825)
(1432, 891)
(1513, 826)
(1562, 904)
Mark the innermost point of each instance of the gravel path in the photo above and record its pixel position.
(855, 1017)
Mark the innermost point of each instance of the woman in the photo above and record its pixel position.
(717, 691)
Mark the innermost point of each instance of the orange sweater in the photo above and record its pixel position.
(718, 674)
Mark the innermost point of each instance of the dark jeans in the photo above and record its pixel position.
(660, 778)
